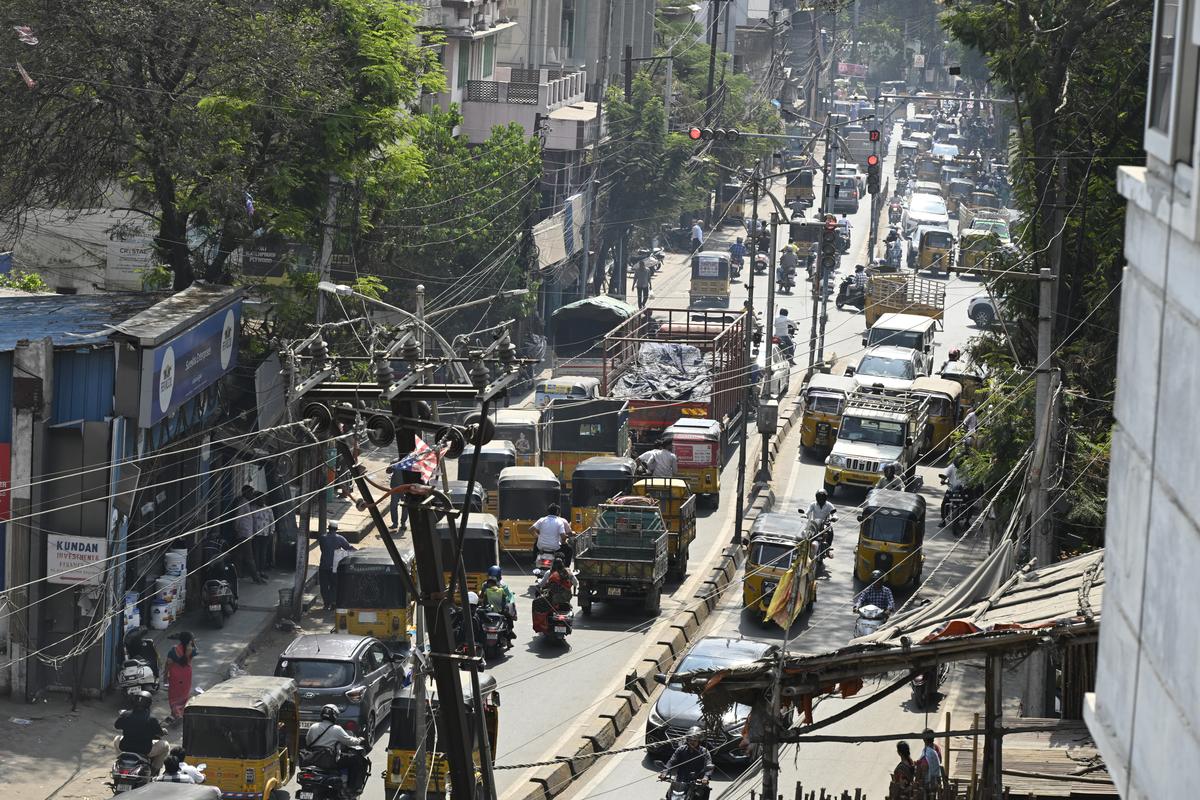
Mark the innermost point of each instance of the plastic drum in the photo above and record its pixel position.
(160, 615)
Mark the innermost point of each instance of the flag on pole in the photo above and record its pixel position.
(424, 460)
(785, 606)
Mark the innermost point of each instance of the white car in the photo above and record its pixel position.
(983, 311)
(925, 209)
(889, 368)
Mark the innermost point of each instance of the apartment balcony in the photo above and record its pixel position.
(520, 94)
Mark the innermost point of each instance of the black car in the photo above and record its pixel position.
(355, 673)
(677, 710)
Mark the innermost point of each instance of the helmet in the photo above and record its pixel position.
(695, 736)
(329, 712)
(495, 572)
(739, 240)
(889, 469)
(143, 700)
(822, 496)
(876, 575)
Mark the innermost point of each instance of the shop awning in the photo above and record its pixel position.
(175, 314)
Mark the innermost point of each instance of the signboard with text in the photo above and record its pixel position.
(127, 263)
(182, 368)
(75, 559)
(852, 70)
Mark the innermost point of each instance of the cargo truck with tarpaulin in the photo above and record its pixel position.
(682, 364)
(577, 331)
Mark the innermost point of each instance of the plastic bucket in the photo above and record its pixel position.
(131, 599)
(165, 588)
(133, 618)
(174, 562)
(160, 615)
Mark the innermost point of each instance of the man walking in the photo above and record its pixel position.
(642, 275)
(243, 530)
(330, 542)
(697, 235)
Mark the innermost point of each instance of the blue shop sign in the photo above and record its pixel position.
(178, 370)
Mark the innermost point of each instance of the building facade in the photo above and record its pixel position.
(1145, 712)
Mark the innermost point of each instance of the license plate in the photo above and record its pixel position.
(123, 787)
(560, 629)
(614, 591)
(214, 606)
(368, 616)
(305, 796)
(492, 637)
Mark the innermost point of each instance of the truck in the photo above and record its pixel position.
(576, 332)
(978, 204)
(576, 430)
(904, 293)
(878, 429)
(674, 363)
(623, 555)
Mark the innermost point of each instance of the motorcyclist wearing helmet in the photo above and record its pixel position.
(691, 763)
(142, 733)
(327, 734)
(890, 480)
(876, 594)
(499, 598)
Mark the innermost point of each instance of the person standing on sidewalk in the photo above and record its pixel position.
(264, 530)
(330, 542)
(179, 675)
(641, 280)
(243, 530)
(697, 235)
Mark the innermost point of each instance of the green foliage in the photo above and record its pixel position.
(1077, 72)
(24, 281)
(157, 278)
(370, 286)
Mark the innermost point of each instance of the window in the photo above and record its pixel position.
(489, 57)
(464, 63)
(1162, 72)
(1171, 105)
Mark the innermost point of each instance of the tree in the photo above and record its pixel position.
(217, 119)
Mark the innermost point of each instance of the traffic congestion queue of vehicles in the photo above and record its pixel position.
(778, 542)
(373, 598)
(677, 504)
(525, 494)
(493, 458)
(400, 776)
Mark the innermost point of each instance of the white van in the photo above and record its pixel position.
(911, 331)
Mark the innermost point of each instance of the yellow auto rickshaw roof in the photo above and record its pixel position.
(535, 475)
(830, 383)
(371, 556)
(603, 467)
(496, 447)
(909, 503)
(260, 693)
(480, 525)
(937, 385)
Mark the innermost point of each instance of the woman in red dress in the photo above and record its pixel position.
(179, 674)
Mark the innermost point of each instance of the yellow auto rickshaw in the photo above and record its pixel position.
(943, 408)
(480, 548)
(458, 495)
(969, 377)
(522, 427)
(891, 534)
(977, 250)
(824, 400)
(595, 481)
(373, 598)
(710, 280)
(575, 431)
(247, 730)
(525, 494)
(400, 776)
(493, 458)
(958, 190)
(568, 388)
(777, 541)
(696, 443)
(677, 504)
(935, 250)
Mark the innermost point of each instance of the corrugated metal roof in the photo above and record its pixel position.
(84, 319)
(175, 314)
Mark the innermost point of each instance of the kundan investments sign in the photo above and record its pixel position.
(75, 559)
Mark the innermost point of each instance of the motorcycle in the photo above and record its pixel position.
(925, 687)
(870, 619)
(895, 255)
(956, 508)
(130, 771)
(136, 676)
(556, 623)
(542, 562)
(685, 790)
(497, 632)
(652, 256)
(219, 601)
(320, 778)
(895, 211)
(786, 282)
(850, 293)
(822, 533)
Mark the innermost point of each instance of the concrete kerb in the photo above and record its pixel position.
(617, 714)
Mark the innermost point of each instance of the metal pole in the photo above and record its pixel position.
(739, 510)
(601, 85)
(670, 90)
(764, 471)
(421, 679)
(826, 198)
(714, 16)
(326, 257)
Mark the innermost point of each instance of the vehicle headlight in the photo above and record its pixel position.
(835, 461)
(656, 719)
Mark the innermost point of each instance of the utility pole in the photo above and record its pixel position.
(827, 188)
(326, 258)
(601, 85)
(628, 73)
(739, 511)
(714, 19)
(764, 473)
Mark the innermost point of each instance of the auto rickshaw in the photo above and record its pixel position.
(958, 190)
(400, 776)
(824, 400)
(480, 548)
(936, 250)
(969, 377)
(493, 458)
(696, 444)
(943, 408)
(458, 494)
(572, 388)
(595, 481)
(891, 533)
(677, 505)
(372, 597)
(247, 729)
(710, 280)
(575, 431)
(522, 427)
(777, 541)
(525, 493)
(976, 251)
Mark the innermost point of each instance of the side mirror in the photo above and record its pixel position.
(859, 518)
(908, 441)
(864, 341)
(660, 677)
(850, 372)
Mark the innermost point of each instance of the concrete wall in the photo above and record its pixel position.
(1145, 713)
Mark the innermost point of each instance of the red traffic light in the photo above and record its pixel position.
(874, 136)
(872, 160)
(694, 134)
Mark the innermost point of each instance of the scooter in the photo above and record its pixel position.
(850, 293)
(870, 619)
(925, 687)
(130, 771)
(321, 779)
(895, 211)
(786, 345)
(543, 561)
(895, 255)
(136, 676)
(497, 632)
(556, 624)
(785, 282)
(652, 256)
(219, 601)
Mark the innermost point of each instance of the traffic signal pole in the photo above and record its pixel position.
(823, 271)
